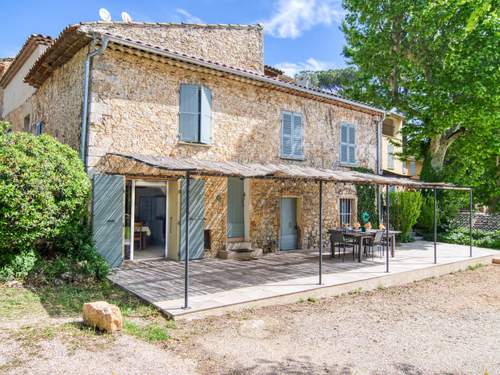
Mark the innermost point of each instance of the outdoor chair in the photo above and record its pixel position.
(378, 242)
(337, 239)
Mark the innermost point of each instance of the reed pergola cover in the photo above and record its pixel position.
(149, 165)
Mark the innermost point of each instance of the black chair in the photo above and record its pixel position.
(337, 239)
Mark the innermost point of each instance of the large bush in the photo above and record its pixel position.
(405, 209)
(44, 196)
(426, 219)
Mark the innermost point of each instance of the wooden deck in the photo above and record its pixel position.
(219, 285)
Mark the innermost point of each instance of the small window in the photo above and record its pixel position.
(413, 168)
(27, 123)
(388, 127)
(195, 114)
(347, 144)
(292, 136)
(346, 205)
(39, 128)
(403, 168)
(390, 156)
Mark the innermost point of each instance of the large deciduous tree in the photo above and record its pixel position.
(437, 62)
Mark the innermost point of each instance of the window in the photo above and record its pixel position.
(388, 127)
(292, 136)
(195, 114)
(403, 168)
(347, 144)
(27, 122)
(390, 156)
(413, 168)
(39, 128)
(346, 211)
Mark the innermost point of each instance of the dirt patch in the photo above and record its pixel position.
(449, 324)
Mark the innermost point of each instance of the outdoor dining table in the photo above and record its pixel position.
(359, 236)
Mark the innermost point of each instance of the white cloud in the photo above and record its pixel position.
(188, 17)
(293, 17)
(290, 69)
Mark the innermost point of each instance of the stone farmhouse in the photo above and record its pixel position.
(136, 98)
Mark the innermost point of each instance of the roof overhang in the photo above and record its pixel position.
(155, 166)
(25, 52)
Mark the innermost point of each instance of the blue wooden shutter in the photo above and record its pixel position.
(189, 113)
(196, 219)
(343, 143)
(352, 144)
(206, 115)
(298, 137)
(108, 205)
(286, 135)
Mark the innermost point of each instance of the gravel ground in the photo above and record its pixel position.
(447, 325)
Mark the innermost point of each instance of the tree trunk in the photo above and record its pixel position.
(439, 146)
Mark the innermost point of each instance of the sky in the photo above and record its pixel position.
(299, 34)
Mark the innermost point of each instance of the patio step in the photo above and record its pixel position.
(241, 245)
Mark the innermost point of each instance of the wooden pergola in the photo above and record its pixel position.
(154, 166)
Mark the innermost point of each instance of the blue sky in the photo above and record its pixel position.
(300, 34)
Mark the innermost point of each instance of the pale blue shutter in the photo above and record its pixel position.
(108, 205)
(196, 219)
(343, 144)
(352, 144)
(286, 135)
(189, 113)
(298, 137)
(206, 115)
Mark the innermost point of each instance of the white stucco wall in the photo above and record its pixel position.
(17, 92)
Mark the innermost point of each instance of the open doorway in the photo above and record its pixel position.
(146, 213)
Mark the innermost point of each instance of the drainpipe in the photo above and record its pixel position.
(86, 88)
(379, 165)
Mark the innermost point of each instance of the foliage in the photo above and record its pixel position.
(426, 219)
(404, 211)
(333, 80)
(44, 196)
(480, 238)
(367, 200)
(437, 62)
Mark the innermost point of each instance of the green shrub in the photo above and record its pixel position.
(480, 238)
(405, 209)
(44, 197)
(426, 219)
(367, 200)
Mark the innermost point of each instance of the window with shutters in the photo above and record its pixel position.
(413, 168)
(39, 128)
(347, 144)
(27, 123)
(292, 136)
(195, 114)
(390, 156)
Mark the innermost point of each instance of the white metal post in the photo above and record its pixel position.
(132, 220)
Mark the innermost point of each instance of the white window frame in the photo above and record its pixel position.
(343, 215)
(390, 156)
(348, 144)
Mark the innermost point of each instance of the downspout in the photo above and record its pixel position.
(86, 88)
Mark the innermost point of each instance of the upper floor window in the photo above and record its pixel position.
(390, 156)
(195, 114)
(292, 136)
(413, 168)
(389, 128)
(27, 123)
(403, 167)
(347, 144)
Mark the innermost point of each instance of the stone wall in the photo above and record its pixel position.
(135, 109)
(240, 46)
(16, 117)
(265, 211)
(216, 212)
(58, 102)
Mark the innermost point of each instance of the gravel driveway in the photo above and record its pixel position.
(447, 325)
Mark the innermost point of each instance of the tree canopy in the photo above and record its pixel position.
(438, 63)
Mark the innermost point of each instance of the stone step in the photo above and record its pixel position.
(243, 245)
(240, 254)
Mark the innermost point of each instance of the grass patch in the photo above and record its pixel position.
(151, 332)
(473, 267)
(19, 302)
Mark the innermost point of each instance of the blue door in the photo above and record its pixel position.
(196, 219)
(235, 208)
(288, 224)
(108, 205)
